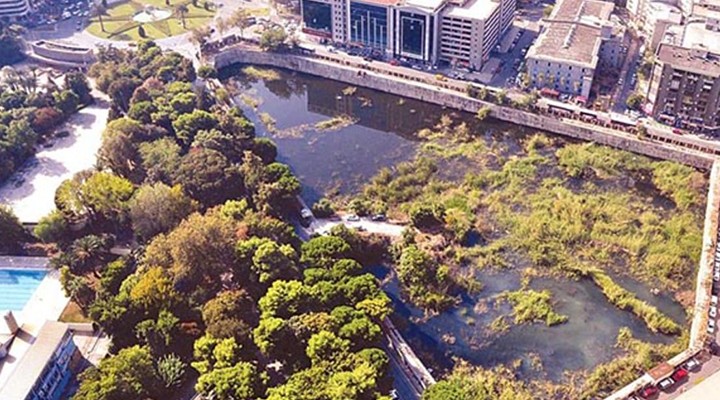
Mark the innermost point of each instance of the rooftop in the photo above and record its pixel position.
(384, 3)
(33, 362)
(428, 5)
(691, 60)
(474, 9)
(573, 32)
(697, 35)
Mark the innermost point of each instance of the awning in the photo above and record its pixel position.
(661, 372)
(549, 92)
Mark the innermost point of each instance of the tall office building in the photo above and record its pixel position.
(456, 31)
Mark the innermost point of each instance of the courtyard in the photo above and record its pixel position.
(150, 19)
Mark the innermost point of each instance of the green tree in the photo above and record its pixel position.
(196, 253)
(12, 234)
(52, 228)
(128, 375)
(154, 291)
(230, 314)
(635, 101)
(66, 101)
(188, 125)
(77, 83)
(160, 159)
(158, 208)
(171, 371)
(273, 38)
(237, 382)
(208, 177)
(326, 347)
(101, 194)
(323, 251)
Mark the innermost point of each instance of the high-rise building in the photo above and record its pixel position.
(14, 8)
(461, 32)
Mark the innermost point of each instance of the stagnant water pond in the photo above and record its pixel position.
(382, 133)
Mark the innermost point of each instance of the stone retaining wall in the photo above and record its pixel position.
(433, 94)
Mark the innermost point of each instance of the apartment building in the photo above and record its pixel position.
(685, 88)
(578, 38)
(14, 8)
(460, 32)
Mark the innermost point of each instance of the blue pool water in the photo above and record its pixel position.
(17, 285)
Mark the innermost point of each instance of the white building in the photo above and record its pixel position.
(461, 32)
(469, 33)
(14, 8)
(579, 37)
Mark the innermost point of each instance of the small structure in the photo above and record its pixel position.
(7, 333)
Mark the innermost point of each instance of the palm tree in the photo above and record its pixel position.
(181, 10)
(98, 11)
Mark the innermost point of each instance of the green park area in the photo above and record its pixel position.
(150, 19)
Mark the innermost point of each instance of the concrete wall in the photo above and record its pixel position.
(433, 94)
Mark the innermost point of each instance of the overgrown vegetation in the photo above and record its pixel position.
(222, 289)
(533, 306)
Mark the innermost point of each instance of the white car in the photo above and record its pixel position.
(711, 326)
(716, 276)
(714, 300)
(666, 383)
(352, 218)
(713, 311)
(691, 364)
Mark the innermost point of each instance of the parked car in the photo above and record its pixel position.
(716, 276)
(666, 383)
(713, 312)
(352, 218)
(714, 300)
(711, 326)
(379, 217)
(648, 392)
(679, 374)
(691, 364)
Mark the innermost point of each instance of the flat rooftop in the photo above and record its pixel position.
(383, 3)
(473, 10)
(696, 35)
(429, 5)
(690, 60)
(31, 365)
(572, 32)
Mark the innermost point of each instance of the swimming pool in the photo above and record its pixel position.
(17, 286)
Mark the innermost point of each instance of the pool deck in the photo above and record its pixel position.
(46, 304)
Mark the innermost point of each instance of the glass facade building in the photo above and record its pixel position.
(317, 16)
(368, 25)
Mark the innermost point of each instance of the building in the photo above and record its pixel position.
(14, 8)
(325, 18)
(45, 370)
(468, 34)
(60, 54)
(685, 87)
(578, 38)
(460, 32)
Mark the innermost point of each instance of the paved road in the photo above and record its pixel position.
(629, 68)
(35, 197)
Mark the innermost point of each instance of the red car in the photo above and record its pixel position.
(648, 392)
(677, 131)
(680, 374)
